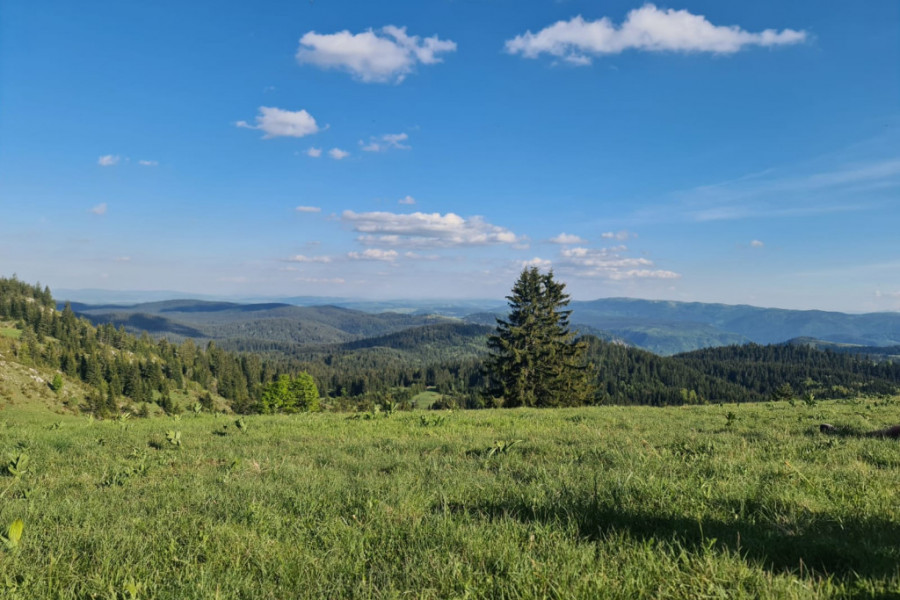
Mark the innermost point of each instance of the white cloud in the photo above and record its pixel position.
(647, 28)
(610, 263)
(388, 55)
(540, 263)
(308, 209)
(300, 258)
(374, 254)
(425, 229)
(108, 160)
(386, 142)
(276, 122)
(567, 238)
(406, 200)
(617, 235)
(314, 152)
(123, 259)
(756, 244)
(148, 163)
(338, 154)
(100, 209)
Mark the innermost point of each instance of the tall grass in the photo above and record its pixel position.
(593, 503)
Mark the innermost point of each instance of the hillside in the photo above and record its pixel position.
(274, 322)
(668, 327)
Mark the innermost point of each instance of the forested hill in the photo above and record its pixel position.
(762, 369)
(668, 327)
(111, 369)
(273, 322)
(106, 369)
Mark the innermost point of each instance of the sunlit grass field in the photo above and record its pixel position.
(746, 501)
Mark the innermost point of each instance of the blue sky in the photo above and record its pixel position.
(704, 151)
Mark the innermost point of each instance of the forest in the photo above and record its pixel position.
(121, 371)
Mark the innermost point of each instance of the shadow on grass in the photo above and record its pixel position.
(807, 543)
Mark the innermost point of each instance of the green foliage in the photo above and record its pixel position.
(502, 446)
(173, 437)
(17, 465)
(13, 534)
(536, 360)
(57, 383)
(783, 392)
(290, 394)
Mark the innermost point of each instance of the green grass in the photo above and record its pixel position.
(425, 399)
(10, 332)
(601, 502)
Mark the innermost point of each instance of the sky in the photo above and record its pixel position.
(735, 152)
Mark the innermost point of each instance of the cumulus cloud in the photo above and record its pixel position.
(314, 152)
(756, 244)
(648, 28)
(386, 142)
(567, 238)
(338, 154)
(383, 56)
(540, 263)
(308, 209)
(425, 229)
(148, 163)
(617, 235)
(406, 200)
(276, 122)
(300, 258)
(100, 209)
(374, 254)
(610, 263)
(108, 160)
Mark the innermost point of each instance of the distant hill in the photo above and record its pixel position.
(276, 322)
(662, 327)
(872, 352)
(659, 325)
(669, 327)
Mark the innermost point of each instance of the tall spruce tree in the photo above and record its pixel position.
(536, 360)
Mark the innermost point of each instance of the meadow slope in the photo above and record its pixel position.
(738, 501)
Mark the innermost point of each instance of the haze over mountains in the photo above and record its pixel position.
(662, 327)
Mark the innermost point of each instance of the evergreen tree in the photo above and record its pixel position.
(536, 360)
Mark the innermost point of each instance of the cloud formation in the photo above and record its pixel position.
(108, 160)
(649, 29)
(100, 209)
(386, 142)
(314, 152)
(406, 200)
(610, 263)
(567, 238)
(148, 163)
(300, 258)
(372, 57)
(374, 254)
(617, 235)
(425, 230)
(338, 154)
(756, 244)
(308, 209)
(276, 122)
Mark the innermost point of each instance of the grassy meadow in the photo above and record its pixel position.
(734, 501)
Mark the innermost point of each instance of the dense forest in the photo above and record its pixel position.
(120, 370)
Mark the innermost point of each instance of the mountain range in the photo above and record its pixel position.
(662, 327)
